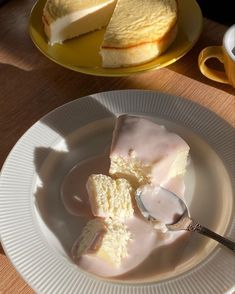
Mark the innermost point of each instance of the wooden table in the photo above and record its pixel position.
(31, 86)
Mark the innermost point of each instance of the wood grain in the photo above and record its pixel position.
(31, 86)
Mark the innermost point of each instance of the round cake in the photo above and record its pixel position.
(136, 31)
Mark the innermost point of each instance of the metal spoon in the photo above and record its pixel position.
(173, 221)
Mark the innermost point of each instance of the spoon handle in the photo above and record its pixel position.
(196, 227)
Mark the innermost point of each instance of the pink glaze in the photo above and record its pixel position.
(176, 185)
(151, 142)
(148, 142)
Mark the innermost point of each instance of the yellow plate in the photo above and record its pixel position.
(82, 54)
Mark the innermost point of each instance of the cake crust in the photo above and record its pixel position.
(139, 31)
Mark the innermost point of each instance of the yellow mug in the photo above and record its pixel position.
(225, 54)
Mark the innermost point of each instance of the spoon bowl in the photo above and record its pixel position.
(160, 205)
(168, 208)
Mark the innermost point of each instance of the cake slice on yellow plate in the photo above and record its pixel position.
(66, 19)
(137, 30)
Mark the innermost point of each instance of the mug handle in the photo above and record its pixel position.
(212, 52)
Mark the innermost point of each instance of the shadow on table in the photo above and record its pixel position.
(1, 250)
(188, 65)
(26, 96)
(45, 74)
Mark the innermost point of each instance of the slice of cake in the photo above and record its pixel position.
(66, 19)
(139, 31)
(143, 152)
(107, 240)
(110, 198)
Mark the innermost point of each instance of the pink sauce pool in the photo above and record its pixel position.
(150, 251)
(146, 242)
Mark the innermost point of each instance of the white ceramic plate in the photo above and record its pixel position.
(37, 232)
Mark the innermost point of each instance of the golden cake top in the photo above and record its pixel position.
(60, 8)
